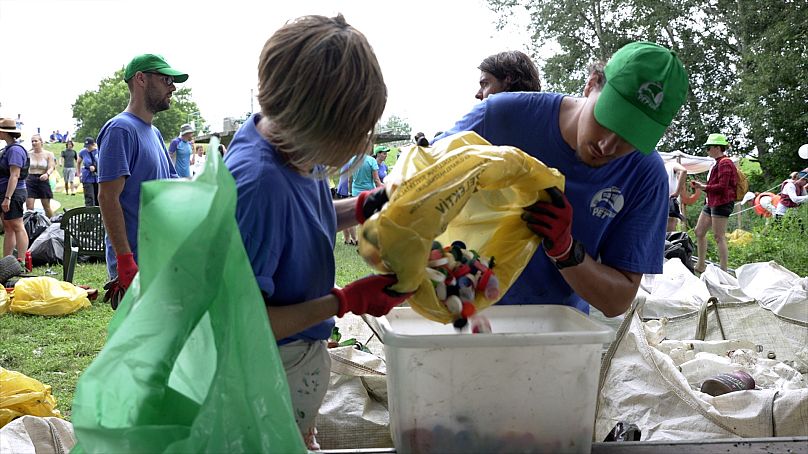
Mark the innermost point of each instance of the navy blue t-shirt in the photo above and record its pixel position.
(619, 210)
(288, 224)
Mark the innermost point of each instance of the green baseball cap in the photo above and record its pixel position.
(646, 84)
(716, 139)
(152, 63)
(381, 149)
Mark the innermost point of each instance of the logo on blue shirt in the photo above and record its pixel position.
(607, 202)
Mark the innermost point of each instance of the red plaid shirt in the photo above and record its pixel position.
(721, 183)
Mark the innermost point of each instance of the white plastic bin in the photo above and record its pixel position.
(529, 386)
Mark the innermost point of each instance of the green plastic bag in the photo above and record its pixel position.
(190, 363)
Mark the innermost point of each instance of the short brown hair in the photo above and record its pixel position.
(514, 65)
(322, 91)
(596, 69)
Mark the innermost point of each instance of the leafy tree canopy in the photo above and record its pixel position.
(93, 108)
(747, 61)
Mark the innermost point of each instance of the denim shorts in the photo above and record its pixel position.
(720, 211)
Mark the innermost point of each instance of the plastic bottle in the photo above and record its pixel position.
(29, 263)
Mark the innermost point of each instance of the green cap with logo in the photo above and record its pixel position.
(646, 84)
(716, 139)
(152, 63)
(381, 149)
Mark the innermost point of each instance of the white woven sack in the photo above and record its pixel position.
(35, 435)
(639, 384)
(354, 412)
(776, 288)
(674, 292)
(724, 286)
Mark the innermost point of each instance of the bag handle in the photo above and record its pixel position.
(701, 327)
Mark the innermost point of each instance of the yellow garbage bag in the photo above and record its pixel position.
(4, 301)
(463, 188)
(739, 237)
(23, 395)
(45, 295)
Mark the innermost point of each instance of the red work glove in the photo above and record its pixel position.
(552, 221)
(370, 202)
(369, 295)
(127, 268)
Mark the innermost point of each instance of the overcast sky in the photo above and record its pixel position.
(428, 50)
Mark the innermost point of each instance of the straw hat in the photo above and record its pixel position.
(9, 125)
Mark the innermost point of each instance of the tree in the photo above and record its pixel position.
(746, 61)
(395, 125)
(93, 108)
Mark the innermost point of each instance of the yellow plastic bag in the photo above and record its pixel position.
(5, 301)
(462, 189)
(740, 237)
(45, 295)
(23, 395)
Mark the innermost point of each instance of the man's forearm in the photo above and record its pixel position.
(611, 291)
(112, 213)
(288, 320)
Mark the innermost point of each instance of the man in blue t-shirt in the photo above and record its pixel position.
(616, 183)
(88, 160)
(132, 151)
(180, 150)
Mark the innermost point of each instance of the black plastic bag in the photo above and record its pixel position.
(49, 246)
(35, 223)
(679, 245)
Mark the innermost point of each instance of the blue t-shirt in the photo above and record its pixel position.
(363, 175)
(619, 210)
(89, 158)
(287, 222)
(184, 158)
(382, 171)
(13, 155)
(131, 148)
(344, 176)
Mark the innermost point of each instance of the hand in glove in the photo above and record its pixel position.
(370, 202)
(369, 295)
(114, 293)
(127, 268)
(553, 222)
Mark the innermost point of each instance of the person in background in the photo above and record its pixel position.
(380, 153)
(420, 140)
(14, 164)
(677, 175)
(198, 160)
(321, 93)
(343, 192)
(792, 193)
(720, 189)
(68, 161)
(43, 163)
(364, 176)
(507, 71)
(88, 163)
(132, 151)
(608, 227)
(182, 154)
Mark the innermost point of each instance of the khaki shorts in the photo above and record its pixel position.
(308, 370)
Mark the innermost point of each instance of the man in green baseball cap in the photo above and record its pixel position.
(152, 63)
(131, 151)
(616, 184)
(720, 190)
